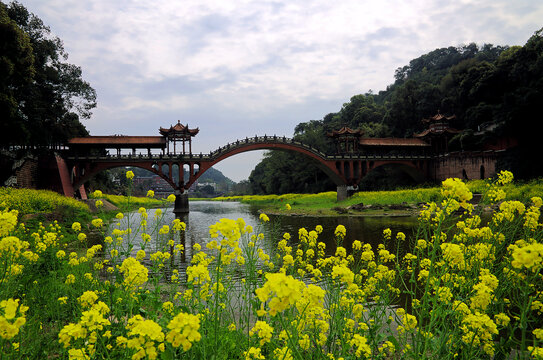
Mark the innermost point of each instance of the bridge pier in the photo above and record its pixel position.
(181, 205)
(342, 193)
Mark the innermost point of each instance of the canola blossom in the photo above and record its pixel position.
(183, 330)
(12, 318)
(464, 286)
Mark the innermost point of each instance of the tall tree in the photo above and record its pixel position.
(50, 106)
(16, 72)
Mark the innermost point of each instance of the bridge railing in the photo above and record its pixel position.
(274, 139)
(214, 154)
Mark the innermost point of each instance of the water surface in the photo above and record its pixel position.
(368, 229)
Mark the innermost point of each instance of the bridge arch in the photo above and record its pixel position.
(285, 145)
(82, 172)
(198, 165)
(344, 170)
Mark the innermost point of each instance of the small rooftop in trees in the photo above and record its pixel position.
(438, 132)
(345, 131)
(438, 125)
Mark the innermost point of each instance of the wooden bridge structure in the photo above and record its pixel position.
(424, 156)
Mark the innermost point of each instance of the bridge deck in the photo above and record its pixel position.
(243, 143)
(208, 157)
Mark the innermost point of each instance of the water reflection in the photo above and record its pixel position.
(205, 213)
(365, 229)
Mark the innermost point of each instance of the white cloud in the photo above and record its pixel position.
(236, 68)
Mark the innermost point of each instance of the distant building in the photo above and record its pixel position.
(212, 184)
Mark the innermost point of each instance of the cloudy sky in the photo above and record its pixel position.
(241, 68)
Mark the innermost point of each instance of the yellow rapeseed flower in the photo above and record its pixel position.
(76, 226)
(10, 323)
(184, 330)
(135, 274)
(263, 330)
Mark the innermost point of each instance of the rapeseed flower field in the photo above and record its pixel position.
(460, 287)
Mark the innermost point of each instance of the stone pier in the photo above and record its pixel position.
(342, 193)
(181, 203)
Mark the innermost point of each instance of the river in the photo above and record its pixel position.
(368, 229)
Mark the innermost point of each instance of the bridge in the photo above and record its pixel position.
(425, 157)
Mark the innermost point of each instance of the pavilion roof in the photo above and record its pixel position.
(437, 130)
(179, 129)
(438, 118)
(345, 131)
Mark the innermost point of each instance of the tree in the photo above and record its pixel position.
(496, 85)
(49, 106)
(16, 71)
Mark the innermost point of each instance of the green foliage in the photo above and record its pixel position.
(42, 97)
(281, 172)
(16, 68)
(459, 287)
(482, 85)
(28, 201)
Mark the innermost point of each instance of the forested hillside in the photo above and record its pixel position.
(484, 85)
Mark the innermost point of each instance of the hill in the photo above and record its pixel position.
(497, 88)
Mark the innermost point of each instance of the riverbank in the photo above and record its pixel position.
(36, 208)
(404, 202)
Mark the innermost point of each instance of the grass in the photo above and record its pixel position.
(36, 207)
(125, 203)
(326, 203)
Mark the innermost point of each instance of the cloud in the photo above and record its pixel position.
(237, 68)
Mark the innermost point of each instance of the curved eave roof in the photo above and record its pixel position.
(179, 129)
(345, 131)
(429, 132)
(439, 117)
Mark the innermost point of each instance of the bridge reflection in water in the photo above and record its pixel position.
(205, 213)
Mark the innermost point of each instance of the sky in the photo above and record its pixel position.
(243, 68)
